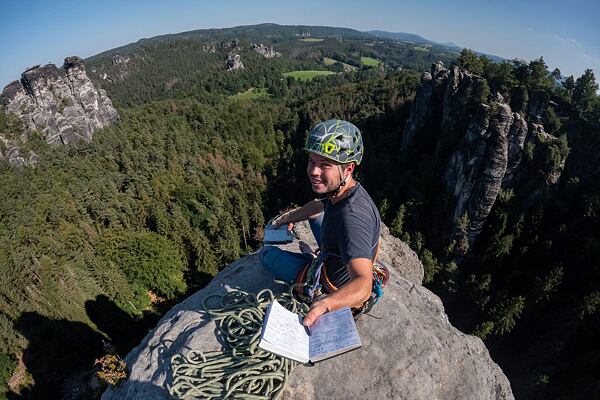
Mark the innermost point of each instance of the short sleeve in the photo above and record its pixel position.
(356, 235)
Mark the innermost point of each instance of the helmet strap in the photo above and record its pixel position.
(337, 190)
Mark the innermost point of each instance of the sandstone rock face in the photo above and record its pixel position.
(463, 168)
(420, 111)
(62, 104)
(12, 154)
(268, 52)
(493, 168)
(481, 144)
(410, 350)
(516, 141)
(234, 62)
(475, 171)
(422, 108)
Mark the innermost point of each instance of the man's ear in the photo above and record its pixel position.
(349, 168)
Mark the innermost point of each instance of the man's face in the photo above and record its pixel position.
(324, 174)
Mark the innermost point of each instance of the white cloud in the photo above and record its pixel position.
(569, 41)
(576, 43)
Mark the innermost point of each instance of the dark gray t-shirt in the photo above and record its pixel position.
(350, 230)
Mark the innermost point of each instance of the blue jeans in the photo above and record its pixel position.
(285, 265)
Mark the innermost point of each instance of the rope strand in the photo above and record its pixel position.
(244, 371)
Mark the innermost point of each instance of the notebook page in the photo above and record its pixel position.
(332, 332)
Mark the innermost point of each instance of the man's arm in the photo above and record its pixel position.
(352, 294)
(310, 210)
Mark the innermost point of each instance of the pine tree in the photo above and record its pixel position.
(584, 94)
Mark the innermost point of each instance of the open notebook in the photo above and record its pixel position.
(283, 333)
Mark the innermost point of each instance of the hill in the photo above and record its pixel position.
(411, 37)
(181, 65)
(417, 39)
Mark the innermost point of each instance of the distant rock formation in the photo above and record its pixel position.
(118, 59)
(230, 46)
(62, 104)
(482, 144)
(121, 67)
(268, 52)
(209, 48)
(409, 349)
(234, 62)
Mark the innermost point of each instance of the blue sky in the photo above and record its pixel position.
(567, 34)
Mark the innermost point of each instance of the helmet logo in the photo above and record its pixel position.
(328, 147)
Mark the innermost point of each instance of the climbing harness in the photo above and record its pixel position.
(243, 371)
(313, 282)
(308, 281)
(319, 284)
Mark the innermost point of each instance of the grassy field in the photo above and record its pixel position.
(347, 67)
(250, 94)
(420, 48)
(371, 62)
(311, 40)
(306, 75)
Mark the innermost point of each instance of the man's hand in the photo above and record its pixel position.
(316, 310)
(305, 248)
(352, 294)
(281, 221)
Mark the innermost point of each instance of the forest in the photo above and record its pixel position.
(112, 233)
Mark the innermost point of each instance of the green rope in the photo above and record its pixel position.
(244, 371)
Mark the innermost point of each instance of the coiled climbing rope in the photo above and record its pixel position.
(243, 371)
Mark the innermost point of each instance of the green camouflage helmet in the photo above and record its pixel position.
(337, 140)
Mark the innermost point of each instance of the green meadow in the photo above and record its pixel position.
(371, 62)
(421, 48)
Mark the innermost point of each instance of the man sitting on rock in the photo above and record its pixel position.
(345, 222)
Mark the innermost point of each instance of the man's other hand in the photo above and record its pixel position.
(282, 221)
(305, 248)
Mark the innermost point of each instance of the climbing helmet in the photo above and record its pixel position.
(337, 140)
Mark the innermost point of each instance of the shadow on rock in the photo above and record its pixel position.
(123, 330)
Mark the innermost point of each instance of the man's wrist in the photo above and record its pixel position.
(291, 217)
